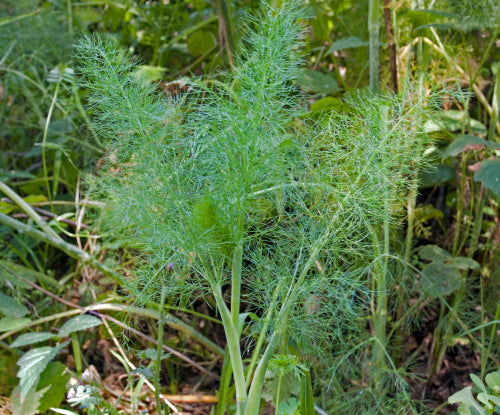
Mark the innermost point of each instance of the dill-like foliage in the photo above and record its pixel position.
(226, 186)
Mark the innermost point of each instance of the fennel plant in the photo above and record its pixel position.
(226, 193)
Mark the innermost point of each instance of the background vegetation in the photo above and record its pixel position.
(399, 303)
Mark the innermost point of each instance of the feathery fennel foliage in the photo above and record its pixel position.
(224, 188)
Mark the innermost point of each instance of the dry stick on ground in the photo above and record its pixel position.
(93, 310)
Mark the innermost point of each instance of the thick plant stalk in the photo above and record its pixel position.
(374, 28)
(380, 279)
(159, 353)
(233, 345)
(392, 45)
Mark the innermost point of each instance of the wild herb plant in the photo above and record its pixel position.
(226, 193)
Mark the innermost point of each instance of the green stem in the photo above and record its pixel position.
(236, 285)
(159, 353)
(278, 392)
(374, 29)
(380, 276)
(460, 207)
(26, 208)
(233, 345)
(71, 250)
(46, 133)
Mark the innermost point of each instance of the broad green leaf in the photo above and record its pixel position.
(32, 364)
(454, 120)
(81, 322)
(465, 397)
(463, 263)
(437, 174)
(439, 279)
(201, 42)
(347, 43)
(464, 142)
(27, 405)
(31, 338)
(289, 407)
(434, 252)
(290, 386)
(489, 175)
(488, 400)
(493, 381)
(6, 208)
(10, 307)
(55, 377)
(478, 382)
(319, 82)
(13, 323)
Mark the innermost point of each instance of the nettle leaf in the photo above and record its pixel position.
(81, 322)
(10, 307)
(28, 405)
(489, 175)
(32, 364)
(13, 323)
(31, 338)
(440, 279)
(54, 376)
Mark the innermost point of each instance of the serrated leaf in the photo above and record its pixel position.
(347, 43)
(28, 405)
(489, 175)
(31, 338)
(12, 323)
(10, 307)
(439, 279)
(54, 377)
(434, 252)
(290, 407)
(78, 323)
(32, 364)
